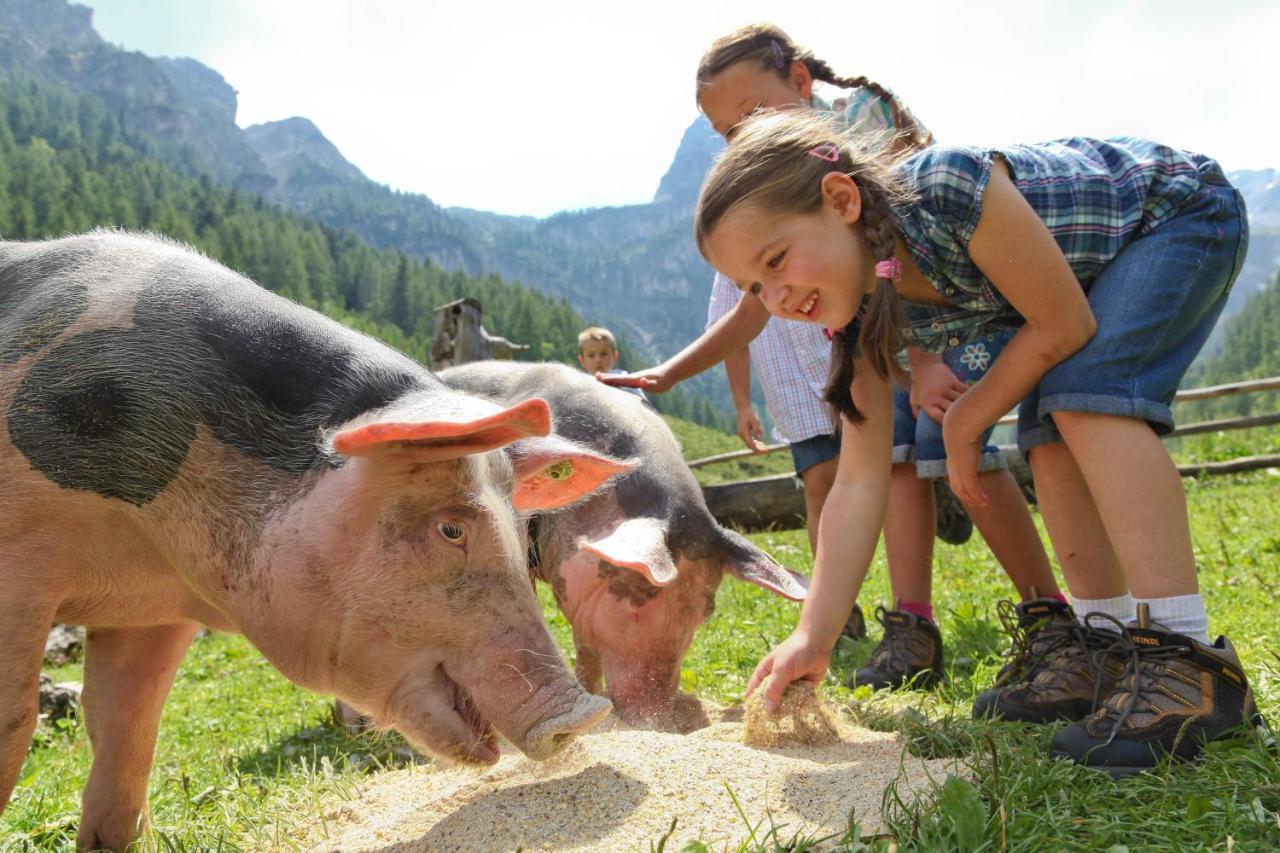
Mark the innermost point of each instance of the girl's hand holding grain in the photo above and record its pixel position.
(797, 657)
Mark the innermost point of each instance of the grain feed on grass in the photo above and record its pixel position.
(619, 788)
(802, 718)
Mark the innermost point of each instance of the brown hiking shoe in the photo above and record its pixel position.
(1026, 624)
(910, 653)
(1075, 668)
(855, 627)
(1176, 695)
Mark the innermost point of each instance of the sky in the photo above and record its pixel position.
(532, 108)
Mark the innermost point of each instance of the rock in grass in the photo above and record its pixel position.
(58, 700)
(801, 719)
(65, 644)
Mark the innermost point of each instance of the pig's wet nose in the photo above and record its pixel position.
(550, 736)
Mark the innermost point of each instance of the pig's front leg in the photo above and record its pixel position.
(23, 627)
(127, 676)
(588, 669)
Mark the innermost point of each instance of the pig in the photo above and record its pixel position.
(181, 448)
(636, 566)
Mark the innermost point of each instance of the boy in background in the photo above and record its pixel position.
(598, 353)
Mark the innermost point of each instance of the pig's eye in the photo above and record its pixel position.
(454, 533)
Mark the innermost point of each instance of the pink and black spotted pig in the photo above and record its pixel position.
(180, 447)
(635, 568)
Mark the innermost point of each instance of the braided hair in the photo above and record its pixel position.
(769, 165)
(771, 48)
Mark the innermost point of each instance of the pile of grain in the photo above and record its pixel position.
(801, 719)
(619, 789)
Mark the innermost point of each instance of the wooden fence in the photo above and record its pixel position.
(778, 501)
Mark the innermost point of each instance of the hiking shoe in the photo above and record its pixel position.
(1175, 695)
(855, 627)
(1025, 624)
(1073, 668)
(909, 653)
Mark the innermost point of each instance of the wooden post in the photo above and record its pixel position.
(458, 337)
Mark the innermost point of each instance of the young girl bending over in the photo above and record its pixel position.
(1112, 261)
(758, 67)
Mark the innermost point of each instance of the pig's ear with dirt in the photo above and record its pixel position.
(552, 473)
(444, 426)
(748, 563)
(639, 544)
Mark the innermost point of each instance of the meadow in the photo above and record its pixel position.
(247, 761)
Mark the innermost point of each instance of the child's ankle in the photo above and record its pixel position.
(916, 608)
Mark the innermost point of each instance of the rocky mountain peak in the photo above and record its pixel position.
(289, 143)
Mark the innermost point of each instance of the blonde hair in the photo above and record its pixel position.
(770, 48)
(596, 333)
(770, 166)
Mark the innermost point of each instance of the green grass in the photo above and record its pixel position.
(699, 441)
(247, 761)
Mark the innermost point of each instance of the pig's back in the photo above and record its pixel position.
(115, 348)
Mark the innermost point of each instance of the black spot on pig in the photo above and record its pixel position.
(92, 415)
(114, 411)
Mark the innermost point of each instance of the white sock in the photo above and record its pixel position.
(1120, 608)
(1181, 614)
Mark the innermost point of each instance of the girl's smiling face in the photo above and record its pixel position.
(814, 267)
(744, 87)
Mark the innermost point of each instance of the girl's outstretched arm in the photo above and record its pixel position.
(847, 534)
(1014, 249)
(728, 334)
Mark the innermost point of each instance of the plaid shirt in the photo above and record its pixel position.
(790, 358)
(1095, 197)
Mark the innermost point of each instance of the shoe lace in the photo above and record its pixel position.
(1137, 679)
(1030, 644)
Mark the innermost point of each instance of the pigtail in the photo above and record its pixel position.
(876, 330)
(910, 138)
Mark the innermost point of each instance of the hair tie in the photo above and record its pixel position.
(779, 59)
(890, 269)
(826, 151)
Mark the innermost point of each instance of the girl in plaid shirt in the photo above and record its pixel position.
(759, 67)
(1112, 260)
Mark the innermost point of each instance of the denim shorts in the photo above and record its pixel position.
(814, 451)
(1155, 304)
(919, 439)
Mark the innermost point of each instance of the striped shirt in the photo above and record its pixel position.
(1095, 197)
(792, 358)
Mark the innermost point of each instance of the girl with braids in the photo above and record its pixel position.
(1112, 260)
(759, 67)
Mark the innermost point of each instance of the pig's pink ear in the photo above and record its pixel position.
(639, 544)
(552, 473)
(475, 429)
(767, 574)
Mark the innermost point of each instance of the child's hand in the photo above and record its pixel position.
(794, 659)
(654, 379)
(750, 431)
(964, 450)
(933, 389)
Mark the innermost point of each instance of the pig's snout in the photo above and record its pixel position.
(550, 736)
